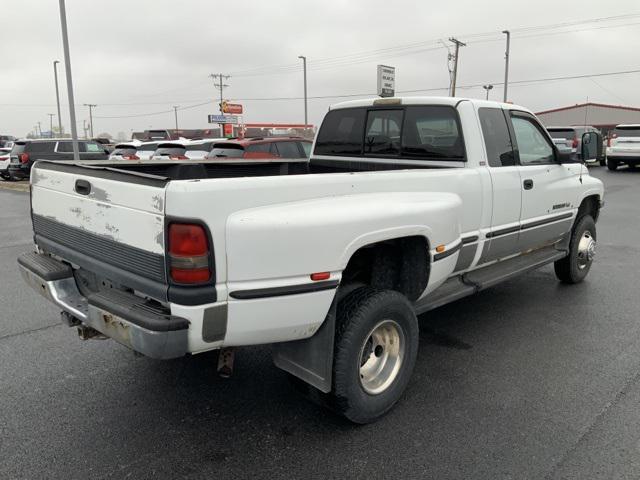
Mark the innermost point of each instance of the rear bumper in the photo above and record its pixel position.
(122, 316)
(19, 171)
(617, 157)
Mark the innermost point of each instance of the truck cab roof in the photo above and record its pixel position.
(424, 100)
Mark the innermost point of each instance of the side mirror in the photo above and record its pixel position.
(564, 156)
(589, 148)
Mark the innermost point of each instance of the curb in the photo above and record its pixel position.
(16, 187)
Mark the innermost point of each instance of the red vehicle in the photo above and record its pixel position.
(261, 148)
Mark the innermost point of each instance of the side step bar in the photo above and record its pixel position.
(469, 283)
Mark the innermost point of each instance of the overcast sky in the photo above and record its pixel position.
(139, 57)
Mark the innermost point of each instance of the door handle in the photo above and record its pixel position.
(527, 184)
(83, 187)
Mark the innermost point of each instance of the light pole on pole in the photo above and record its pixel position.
(175, 111)
(67, 64)
(304, 69)
(55, 76)
(506, 64)
(487, 88)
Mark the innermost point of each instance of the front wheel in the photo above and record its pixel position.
(582, 248)
(375, 352)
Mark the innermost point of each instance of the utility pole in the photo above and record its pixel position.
(55, 76)
(220, 85)
(90, 105)
(506, 64)
(51, 115)
(175, 111)
(458, 44)
(39, 130)
(67, 63)
(304, 69)
(487, 88)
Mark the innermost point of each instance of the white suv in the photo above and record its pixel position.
(623, 146)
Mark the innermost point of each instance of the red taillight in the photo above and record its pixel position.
(574, 144)
(611, 137)
(188, 253)
(320, 276)
(24, 157)
(130, 157)
(178, 157)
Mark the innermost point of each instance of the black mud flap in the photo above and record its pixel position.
(311, 359)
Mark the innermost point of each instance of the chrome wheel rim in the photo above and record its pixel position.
(586, 250)
(381, 357)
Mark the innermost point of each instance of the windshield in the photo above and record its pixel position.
(202, 147)
(232, 152)
(148, 147)
(627, 131)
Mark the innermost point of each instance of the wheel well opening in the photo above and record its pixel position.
(590, 206)
(401, 264)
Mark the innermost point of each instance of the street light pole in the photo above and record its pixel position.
(304, 69)
(175, 111)
(90, 105)
(55, 75)
(487, 88)
(506, 64)
(51, 115)
(67, 64)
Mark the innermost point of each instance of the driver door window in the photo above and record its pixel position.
(533, 147)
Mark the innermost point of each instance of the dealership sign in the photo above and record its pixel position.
(386, 81)
(222, 119)
(233, 108)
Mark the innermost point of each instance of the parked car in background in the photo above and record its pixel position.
(261, 148)
(6, 141)
(174, 150)
(25, 152)
(146, 149)
(569, 139)
(198, 149)
(623, 147)
(125, 151)
(107, 143)
(4, 163)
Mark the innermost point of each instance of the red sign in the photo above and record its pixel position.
(232, 108)
(228, 130)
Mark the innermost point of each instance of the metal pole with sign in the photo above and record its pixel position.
(386, 81)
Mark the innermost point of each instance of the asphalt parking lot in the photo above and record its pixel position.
(530, 379)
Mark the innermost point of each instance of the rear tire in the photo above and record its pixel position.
(612, 165)
(603, 162)
(375, 351)
(574, 267)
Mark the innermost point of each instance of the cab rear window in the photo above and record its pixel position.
(429, 132)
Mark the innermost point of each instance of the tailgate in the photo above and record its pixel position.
(105, 220)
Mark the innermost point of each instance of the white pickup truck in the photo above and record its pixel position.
(406, 204)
